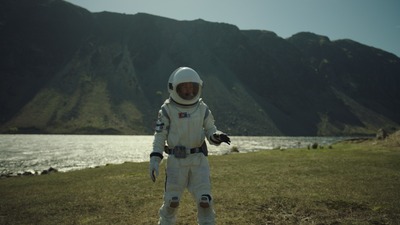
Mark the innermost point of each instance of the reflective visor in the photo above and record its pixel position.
(188, 90)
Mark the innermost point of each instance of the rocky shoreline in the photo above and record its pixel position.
(29, 173)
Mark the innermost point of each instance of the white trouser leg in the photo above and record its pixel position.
(167, 215)
(176, 182)
(200, 186)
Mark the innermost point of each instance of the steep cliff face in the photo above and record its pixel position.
(66, 70)
(363, 78)
(37, 39)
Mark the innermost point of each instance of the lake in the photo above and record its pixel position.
(19, 153)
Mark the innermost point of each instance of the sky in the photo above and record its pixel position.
(374, 23)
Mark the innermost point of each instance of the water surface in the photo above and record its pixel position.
(20, 153)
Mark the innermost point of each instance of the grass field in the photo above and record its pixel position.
(353, 183)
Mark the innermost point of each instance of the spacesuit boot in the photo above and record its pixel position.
(168, 212)
(205, 211)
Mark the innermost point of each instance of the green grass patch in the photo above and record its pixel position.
(349, 184)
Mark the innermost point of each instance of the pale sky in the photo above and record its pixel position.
(374, 23)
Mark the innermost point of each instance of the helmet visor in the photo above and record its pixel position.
(188, 90)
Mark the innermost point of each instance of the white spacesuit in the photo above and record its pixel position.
(184, 122)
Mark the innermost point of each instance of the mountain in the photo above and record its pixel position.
(66, 70)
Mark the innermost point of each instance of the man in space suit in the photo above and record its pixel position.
(184, 122)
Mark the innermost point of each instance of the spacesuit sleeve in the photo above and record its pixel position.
(160, 134)
(209, 127)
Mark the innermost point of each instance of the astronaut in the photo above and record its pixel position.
(184, 122)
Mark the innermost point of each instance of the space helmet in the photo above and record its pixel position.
(184, 86)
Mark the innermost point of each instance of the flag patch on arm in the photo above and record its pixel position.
(159, 126)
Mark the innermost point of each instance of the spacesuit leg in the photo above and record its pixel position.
(200, 188)
(176, 181)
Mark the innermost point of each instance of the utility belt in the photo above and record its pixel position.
(182, 152)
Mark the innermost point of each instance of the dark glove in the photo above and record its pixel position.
(222, 137)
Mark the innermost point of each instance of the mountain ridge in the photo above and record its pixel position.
(71, 71)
